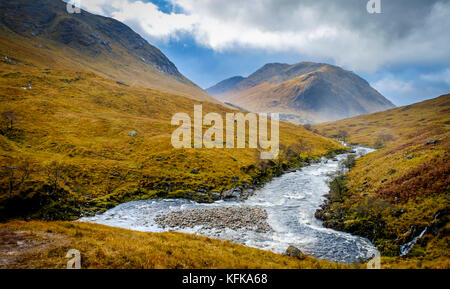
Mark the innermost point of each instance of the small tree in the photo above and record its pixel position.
(337, 188)
(55, 173)
(7, 122)
(349, 162)
(308, 126)
(385, 138)
(343, 135)
(302, 146)
(16, 172)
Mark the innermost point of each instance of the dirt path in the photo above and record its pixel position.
(16, 247)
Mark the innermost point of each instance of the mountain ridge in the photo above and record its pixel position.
(91, 42)
(318, 91)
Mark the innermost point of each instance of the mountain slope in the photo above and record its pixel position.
(68, 133)
(88, 42)
(224, 86)
(79, 136)
(314, 91)
(68, 105)
(401, 192)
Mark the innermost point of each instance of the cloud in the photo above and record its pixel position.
(414, 89)
(390, 85)
(443, 77)
(407, 32)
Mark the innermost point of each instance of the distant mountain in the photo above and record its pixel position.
(313, 91)
(90, 42)
(226, 85)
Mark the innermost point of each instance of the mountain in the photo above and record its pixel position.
(397, 196)
(88, 42)
(224, 86)
(85, 122)
(314, 91)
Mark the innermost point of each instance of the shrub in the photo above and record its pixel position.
(349, 162)
(337, 189)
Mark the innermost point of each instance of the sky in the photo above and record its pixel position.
(403, 52)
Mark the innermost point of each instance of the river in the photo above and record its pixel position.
(290, 202)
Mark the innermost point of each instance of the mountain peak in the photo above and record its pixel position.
(314, 91)
(91, 42)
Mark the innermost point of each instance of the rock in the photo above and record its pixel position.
(194, 172)
(215, 196)
(432, 141)
(318, 214)
(294, 252)
(384, 180)
(233, 193)
(121, 83)
(132, 133)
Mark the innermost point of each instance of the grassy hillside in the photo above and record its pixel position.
(43, 33)
(45, 245)
(85, 124)
(392, 195)
(65, 148)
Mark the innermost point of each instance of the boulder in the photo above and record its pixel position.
(132, 133)
(294, 252)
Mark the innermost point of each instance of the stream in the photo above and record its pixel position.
(290, 202)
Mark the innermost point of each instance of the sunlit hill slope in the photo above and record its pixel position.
(312, 91)
(400, 193)
(66, 142)
(53, 38)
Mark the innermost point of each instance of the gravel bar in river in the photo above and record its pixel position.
(250, 218)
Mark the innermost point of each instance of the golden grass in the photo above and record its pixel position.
(45, 244)
(71, 131)
(403, 185)
(65, 151)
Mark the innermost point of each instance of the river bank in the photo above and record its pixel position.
(289, 201)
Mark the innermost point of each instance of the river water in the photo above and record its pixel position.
(290, 201)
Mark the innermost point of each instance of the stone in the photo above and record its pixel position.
(132, 133)
(194, 172)
(294, 252)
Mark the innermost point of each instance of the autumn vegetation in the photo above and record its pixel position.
(45, 245)
(398, 191)
(85, 125)
(66, 151)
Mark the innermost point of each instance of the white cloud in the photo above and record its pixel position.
(338, 30)
(443, 77)
(402, 92)
(390, 85)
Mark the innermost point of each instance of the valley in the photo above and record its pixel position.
(88, 114)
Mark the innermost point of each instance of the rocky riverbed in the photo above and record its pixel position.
(249, 218)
